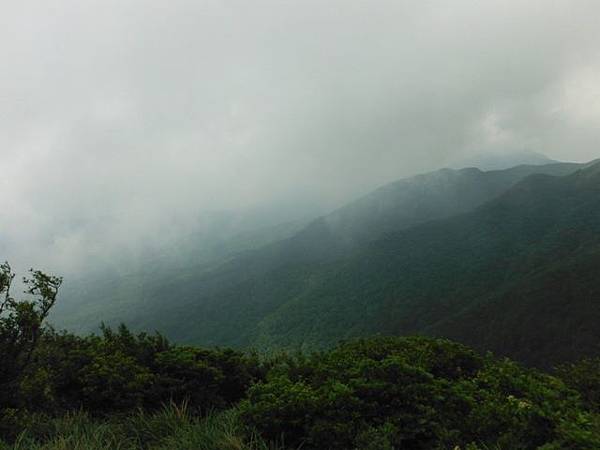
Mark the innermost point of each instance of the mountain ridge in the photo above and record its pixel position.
(238, 302)
(468, 256)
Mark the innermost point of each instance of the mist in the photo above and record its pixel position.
(124, 125)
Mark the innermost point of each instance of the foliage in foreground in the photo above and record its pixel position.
(416, 393)
(372, 394)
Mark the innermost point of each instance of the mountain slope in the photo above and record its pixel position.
(117, 293)
(238, 302)
(517, 276)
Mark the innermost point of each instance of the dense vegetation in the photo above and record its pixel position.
(517, 276)
(417, 393)
(120, 390)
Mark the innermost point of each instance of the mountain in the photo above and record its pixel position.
(296, 291)
(518, 276)
(503, 160)
(548, 312)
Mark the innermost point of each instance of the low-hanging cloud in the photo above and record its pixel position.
(122, 121)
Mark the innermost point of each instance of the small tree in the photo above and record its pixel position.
(21, 323)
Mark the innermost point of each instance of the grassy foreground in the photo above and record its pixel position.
(171, 428)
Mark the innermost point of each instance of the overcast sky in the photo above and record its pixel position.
(119, 118)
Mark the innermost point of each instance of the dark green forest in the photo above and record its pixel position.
(120, 390)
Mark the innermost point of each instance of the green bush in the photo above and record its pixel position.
(416, 393)
(118, 371)
(584, 377)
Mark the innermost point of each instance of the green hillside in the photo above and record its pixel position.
(287, 292)
(517, 276)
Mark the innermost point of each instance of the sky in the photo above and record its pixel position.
(124, 121)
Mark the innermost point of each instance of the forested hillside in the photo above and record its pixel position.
(517, 276)
(239, 302)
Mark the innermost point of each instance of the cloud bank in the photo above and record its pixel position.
(121, 122)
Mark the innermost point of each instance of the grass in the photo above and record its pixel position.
(171, 428)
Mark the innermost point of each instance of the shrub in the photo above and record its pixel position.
(416, 393)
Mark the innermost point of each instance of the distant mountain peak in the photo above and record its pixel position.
(589, 174)
(503, 160)
(592, 167)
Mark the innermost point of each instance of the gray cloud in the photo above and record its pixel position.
(121, 121)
